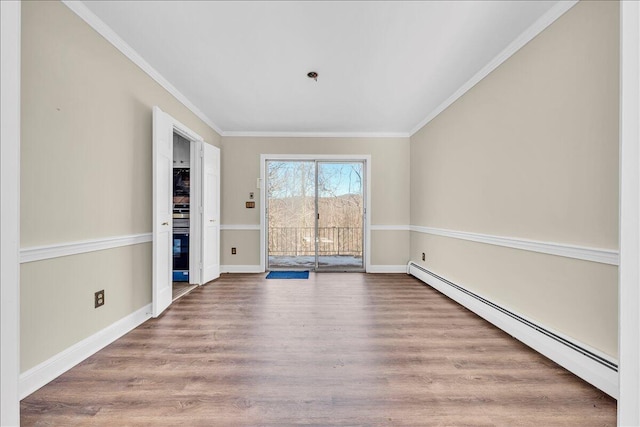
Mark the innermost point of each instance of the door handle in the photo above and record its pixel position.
(212, 220)
(165, 223)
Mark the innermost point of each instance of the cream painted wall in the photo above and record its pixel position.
(57, 297)
(532, 152)
(389, 247)
(86, 131)
(85, 174)
(245, 242)
(389, 187)
(577, 298)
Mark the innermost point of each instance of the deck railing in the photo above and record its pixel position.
(299, 241)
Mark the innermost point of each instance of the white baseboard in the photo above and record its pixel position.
(380, 268)
(257, 269)
(596, 373)
(50, 369)
(241, 269)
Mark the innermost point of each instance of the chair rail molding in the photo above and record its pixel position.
(585, 253)
(39, 253)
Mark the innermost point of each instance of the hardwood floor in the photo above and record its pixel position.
(180, 289)
(337, 349)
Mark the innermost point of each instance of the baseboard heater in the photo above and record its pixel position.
(594, 368)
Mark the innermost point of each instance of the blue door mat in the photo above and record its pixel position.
(288, 275)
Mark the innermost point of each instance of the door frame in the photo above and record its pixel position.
(366, 158)
(629, 204)
(195, 223)
(10, 28)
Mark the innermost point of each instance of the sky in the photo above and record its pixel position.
(293, 178)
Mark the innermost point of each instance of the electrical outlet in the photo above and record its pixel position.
(424, 258)
(233, 251)
(99, 299)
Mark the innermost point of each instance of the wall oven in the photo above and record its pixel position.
(181, 188)
(181, 248)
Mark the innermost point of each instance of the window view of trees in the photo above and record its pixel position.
(291, 212)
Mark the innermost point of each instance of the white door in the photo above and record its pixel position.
(162, 211)
(210, 213)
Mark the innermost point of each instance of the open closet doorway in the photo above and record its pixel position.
(181, 216)
(315, 213)
(186, 211)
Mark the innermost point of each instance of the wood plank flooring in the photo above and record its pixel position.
(180, 289)
(337, 349)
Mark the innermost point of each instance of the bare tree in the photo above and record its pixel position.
(291, 191)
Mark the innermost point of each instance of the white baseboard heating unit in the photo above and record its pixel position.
(587, 363)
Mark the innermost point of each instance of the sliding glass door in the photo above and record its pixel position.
(340, 218)
(291, 214)
(315, 215)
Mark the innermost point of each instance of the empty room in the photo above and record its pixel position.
(265, 213)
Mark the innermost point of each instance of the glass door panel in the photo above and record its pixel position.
(315, 215)
(340, 219)
(291, 214)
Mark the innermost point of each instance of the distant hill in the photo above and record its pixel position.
(291, 225)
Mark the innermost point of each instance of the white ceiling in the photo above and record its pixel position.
(383, 66)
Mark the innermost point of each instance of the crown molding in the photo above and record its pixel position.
(80, 9)
(536, 28)
(284, 134)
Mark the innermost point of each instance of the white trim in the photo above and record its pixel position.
(196, 217)
(390, 228)
(602, 377)
(380, 268)
(604, 256)
(184, 131)
(240, 227)
(263, 212)
(629, 279)
(161, 293)
(39, 253)
(105, 31)
(10, 33)
(536, 28)
(366, 158)
(321, 157)
(247, 227)
(55, 366)
(242, 269)
(285, 134)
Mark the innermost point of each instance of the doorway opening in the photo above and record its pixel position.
(186, 211)
(315, 214)
(181, 216)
